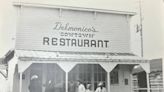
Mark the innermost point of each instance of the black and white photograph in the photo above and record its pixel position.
(81, 46)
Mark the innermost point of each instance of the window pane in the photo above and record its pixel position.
(114, 78)
(45, 78)
(87, 73)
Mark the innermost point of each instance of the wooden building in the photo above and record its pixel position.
(59, 45)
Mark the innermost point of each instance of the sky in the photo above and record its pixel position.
(153, 28)
(152, 22)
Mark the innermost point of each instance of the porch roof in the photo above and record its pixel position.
(25, 55)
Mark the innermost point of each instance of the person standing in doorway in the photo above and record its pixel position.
(88, 88)
(81, 87)
(49, 86)
(35, 84)
(101, 87)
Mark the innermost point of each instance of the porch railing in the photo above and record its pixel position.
(146, 90)
(156, 83)
(155, 86)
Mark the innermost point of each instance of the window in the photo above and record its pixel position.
(44, 78)
(114, 78)
(86, 73)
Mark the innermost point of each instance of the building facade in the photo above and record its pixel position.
(56, 46)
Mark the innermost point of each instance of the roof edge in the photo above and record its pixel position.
(73, 8)
(81, 53)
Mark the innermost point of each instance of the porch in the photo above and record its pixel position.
(114, 70)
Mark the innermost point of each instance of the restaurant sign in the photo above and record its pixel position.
(43, 29)
(73, 36)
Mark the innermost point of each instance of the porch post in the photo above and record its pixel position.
(66, 66)
(148, 83)
(66, 82)
(20, 82)
(131, 84)
(108, 81)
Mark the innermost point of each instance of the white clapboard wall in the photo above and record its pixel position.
(36, 23)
